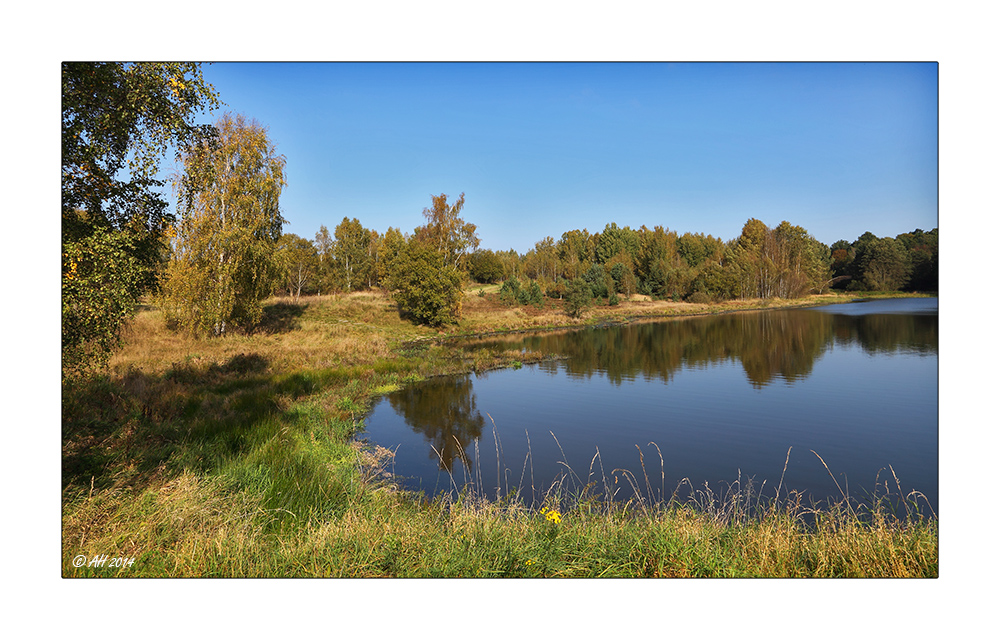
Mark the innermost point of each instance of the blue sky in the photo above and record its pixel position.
(539, 149)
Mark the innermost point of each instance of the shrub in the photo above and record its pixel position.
(428, 289)
(699, 297)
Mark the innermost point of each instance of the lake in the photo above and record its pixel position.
(720, 399)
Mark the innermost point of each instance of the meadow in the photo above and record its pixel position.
(237, 457)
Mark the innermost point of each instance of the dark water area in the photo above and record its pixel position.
(720, 398)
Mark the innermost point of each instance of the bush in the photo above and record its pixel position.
(699, 297)
(427, 287)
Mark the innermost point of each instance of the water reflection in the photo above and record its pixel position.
(444, 411)
(729, 425)
(769, 345)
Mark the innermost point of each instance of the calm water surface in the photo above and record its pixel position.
(722, 398)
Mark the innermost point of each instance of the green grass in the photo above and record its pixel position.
(236, 457)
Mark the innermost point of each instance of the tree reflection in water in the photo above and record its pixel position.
(444, 411)
(769, 347)
(781, 344)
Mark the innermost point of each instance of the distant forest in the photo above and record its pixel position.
(784, 261)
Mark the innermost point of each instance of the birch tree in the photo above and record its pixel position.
(299, 263)
(351, 254)
(446, 232)
(224, 262)
(118, 120)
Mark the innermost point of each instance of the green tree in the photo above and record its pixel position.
(352, 257)
(542, 262)
(391, 244)
(805, 262)
(426, 285)
(622, 273)
(324, 251)
(224, 261)
(97, 301)
(922, 255)
(575, 250)
(299, 264)
(485, 266)
(578, 297)
(883, 265)
(784, 262)
(118, 120)
(615, 240)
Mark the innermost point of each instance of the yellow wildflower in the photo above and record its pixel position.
(553, 516)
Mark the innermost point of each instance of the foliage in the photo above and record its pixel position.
(601, 283)
(908, 262)
(614, 241)
(324, 253)
(224, 261)
(922, 251)
(426, 285)
(446, 232)
(97, 301)
(118, 120)
(785, 262)
(511, 292)
(352, 256)
(578, 297)
(300, 264)
(576, 252)
(622, 274)
(542, 262)
(391, 244)
(485, 266)
(881, 264)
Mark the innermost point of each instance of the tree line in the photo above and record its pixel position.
(211, 264)
(762, 262)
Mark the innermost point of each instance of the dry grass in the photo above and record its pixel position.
(316, 332)
(363, 327)
(222, 457)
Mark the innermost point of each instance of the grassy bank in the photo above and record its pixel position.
(235, 457)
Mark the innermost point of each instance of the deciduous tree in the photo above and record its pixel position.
(299, 264)
(118, 120)
(446, 232)
(324, 251)
(485, 266)
(224, 261)
(351, 254)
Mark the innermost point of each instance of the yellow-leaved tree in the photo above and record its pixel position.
(224, 262)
